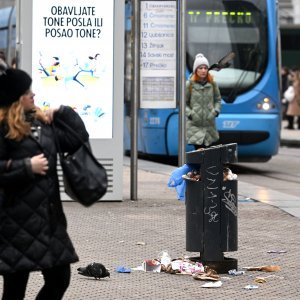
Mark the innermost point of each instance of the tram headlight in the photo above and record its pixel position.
(266, 104)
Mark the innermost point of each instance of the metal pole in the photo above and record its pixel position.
(9, 36)
(181, 78)
(135, 99)
(19, 41)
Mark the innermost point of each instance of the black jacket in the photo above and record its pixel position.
(33, 228)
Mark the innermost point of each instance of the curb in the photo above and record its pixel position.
(290, 143)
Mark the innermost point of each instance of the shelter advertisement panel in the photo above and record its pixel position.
(72, 59)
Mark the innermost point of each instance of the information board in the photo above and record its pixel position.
(72, 59)
(158, 54)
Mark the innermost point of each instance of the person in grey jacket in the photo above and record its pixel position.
(33, 227)
(203, 105)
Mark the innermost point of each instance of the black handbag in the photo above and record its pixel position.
(85, 179)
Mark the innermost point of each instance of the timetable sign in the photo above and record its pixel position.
(158, 54)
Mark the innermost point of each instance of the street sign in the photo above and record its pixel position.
(158, 54)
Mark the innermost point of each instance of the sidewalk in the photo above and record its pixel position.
(110, 232)
(289, 138)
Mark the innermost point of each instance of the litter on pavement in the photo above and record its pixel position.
(260, 280)
(270, 268)
(235, 272)
(216, 284)
(251, 287)
(277, 251)
(122, 269)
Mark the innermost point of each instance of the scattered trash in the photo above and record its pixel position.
(164, 258)
(151, 265)
(228, 175)
(277, 251)
(192, 175)
(208, 274)
(191, 172)
(188, 267)
(260, 280)
(184, 266)
(215, 284)
(176, 176)
(177, 181)
(251, 287)
(139, 268)
(95, 270)
(172, 268)
(264, 268)
(141, 243)
(122, 269)
(235, 272)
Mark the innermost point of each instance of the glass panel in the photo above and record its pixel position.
(217, 27)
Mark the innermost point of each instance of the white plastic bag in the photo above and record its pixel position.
(289, 94)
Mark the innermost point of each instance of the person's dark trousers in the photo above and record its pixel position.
(290, 120)
(14, 285)
(56, 279)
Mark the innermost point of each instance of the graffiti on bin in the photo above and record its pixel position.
(230, 201)
(212, 209)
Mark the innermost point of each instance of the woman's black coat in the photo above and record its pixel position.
(33, 228)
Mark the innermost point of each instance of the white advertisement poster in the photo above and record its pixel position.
(72, 58)
(158, 54)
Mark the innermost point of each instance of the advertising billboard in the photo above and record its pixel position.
(72, 59)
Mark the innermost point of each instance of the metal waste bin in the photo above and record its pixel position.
(211, 208)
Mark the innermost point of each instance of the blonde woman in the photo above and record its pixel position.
(203, 105)
(33, 227)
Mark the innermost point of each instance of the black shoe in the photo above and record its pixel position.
(288, 127)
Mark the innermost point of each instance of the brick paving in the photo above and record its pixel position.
(110, 232)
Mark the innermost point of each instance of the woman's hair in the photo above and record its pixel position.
(14, 117)
(195, 77)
